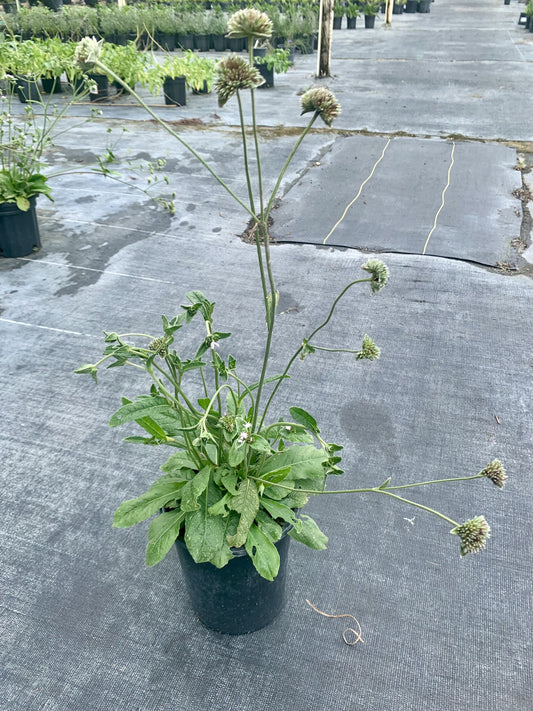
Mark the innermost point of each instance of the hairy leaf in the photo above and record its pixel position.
(304, 418)
(204, 534)
(179, 460)
(305, 462)
(309, 534)
(149, 406)
(277, 510)
(162, 534)
(263, 553)
(268, 526)
(193, 488)
(236, 454)
(247, 504)
(135, 510)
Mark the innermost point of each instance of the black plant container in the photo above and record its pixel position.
(102, 87)
(51, 86)
(337, 23)
(351, 23)
(411, 6)
(218, 42)
(369, 22)
(202, 42)
(185, 41)
(234, 599)
(19, 231)
(27, 89)
(175, 91)
(424, 6)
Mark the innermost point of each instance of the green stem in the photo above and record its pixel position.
(333, 350)
(299, 350)
(245, 154)
(373, 490)
(287, 163)
(435, 481)
(167, 128)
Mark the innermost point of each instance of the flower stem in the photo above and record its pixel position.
(173, 133)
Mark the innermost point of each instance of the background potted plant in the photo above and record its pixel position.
(268, 61)
(352, 13)
(239, 475)
(370, 10)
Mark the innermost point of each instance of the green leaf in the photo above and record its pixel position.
(142, 407)
(246, 503)
(278, 476)
(197, 298)
(193, 489)
(263, 553)
(268, 311)
(204, 402)
(385, 484)
(204, 534)
(222, 506)
(179, 460)
(268, 526)
(310, 534)
(236, 454)
(304, 418)
(223, 554)
(305, 462)
(277, 510)
(162, 535)
(271, 379)
(151, 427)
(22, 203)
(229, 482)
(260, 444)
(296, 500)
(136, 510)
(88, 368)
(294, 435)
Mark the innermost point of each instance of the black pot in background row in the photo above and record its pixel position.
(19, 231)
(175, 91)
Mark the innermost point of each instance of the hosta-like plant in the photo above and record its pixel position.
(238, 474)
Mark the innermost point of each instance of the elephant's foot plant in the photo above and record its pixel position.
(236, 474)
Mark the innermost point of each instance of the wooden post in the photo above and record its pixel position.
(325, 33)
(388, 12)
(122, 3)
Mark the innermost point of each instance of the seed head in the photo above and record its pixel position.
(369, 350)
(235, 73)
(87, 53)
(379, 272)
(323, 102)
(495, 472)
(160, 346)
(249, 23)
(473, 534)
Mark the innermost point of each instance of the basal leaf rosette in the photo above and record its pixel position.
(323, 102)
(249, 23)
(233, 74)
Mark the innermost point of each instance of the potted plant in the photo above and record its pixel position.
(370, 10)
(352, 13)
(199, 72)
(167, 25)
(169, 75)
(232, 491)
(397, 8)
(269, 60)
(338, 13)
(216, 25)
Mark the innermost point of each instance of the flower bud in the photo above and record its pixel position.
(495, 472)
(379, 272)
(473, 534)
(369, 350)
(249, 23)
(235, 73)
(323, 102)
(87, 52)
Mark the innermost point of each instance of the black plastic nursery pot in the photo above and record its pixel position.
(337, 23)
(19, 231)
(27, 89)
(51, 86)
(202, 42)
(351, 23)
(411, 6)
(102, 87)
(234, 599)
(175, 91)
(369, 22)
(424, 5)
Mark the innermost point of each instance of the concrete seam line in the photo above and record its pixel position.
(452, 161)
(358, 193)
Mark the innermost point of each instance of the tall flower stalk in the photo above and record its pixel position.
(235, 478)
